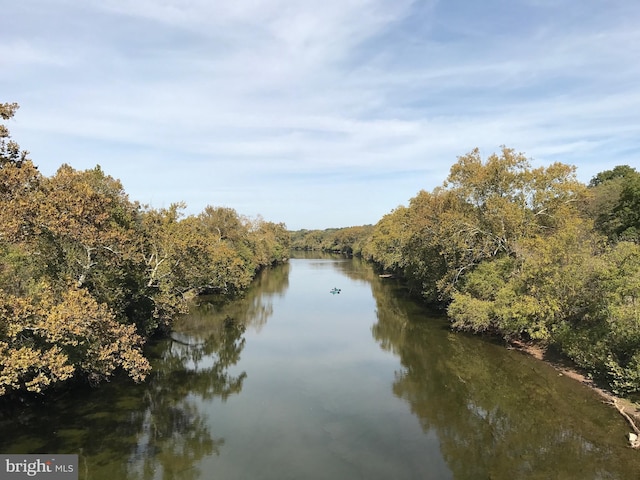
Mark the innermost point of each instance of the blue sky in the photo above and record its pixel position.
(317, 113)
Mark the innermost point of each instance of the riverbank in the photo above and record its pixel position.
(629, 409)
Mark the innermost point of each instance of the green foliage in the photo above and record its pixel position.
(483, 211)
(348, 240)
(385, 245)
(628, 209)
(86, 274)
(607, 340)
(511, 250)
(614, 203)
(531, 295)
(620, 171)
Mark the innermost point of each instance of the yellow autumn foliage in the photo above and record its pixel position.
(53, 340)
(85, 273)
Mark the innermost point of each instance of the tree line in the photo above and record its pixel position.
(347, 241)
(528, 254)
(87, 275)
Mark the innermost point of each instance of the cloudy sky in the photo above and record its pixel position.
(317, 113)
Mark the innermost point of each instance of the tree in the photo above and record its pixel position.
(385, 245)
(10, 152)
(607, 339)
(19, 184)
(89, 235)
(49, 339)
(614, 203)
(628, 209)
(530, 295)
(270, 242)
(618, 172)
(86, 274)
(483, 211)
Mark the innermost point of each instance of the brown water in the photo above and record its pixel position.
(293, 382)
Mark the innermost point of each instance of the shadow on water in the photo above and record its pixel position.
(155, 429)
(497, 413)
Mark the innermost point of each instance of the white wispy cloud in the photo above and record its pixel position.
(317, 113)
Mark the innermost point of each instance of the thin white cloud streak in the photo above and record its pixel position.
(330, 141)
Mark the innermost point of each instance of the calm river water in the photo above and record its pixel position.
(294, 382)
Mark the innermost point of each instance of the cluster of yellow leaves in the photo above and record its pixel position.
(32, 368)
(80, 205)
(19, 201)
(50, 341)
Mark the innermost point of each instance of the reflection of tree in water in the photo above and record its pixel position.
(252, 309)
(173, 438)
(174, 435)
(155, 429)
(195, 361)
(497, 413)
(356, 269)
(147, 431)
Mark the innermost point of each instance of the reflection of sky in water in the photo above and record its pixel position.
(317, 402)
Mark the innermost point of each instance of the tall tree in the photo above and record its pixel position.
(614, 203)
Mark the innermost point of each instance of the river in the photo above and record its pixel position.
(295, 382)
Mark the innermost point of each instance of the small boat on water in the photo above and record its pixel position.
(335, 290)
